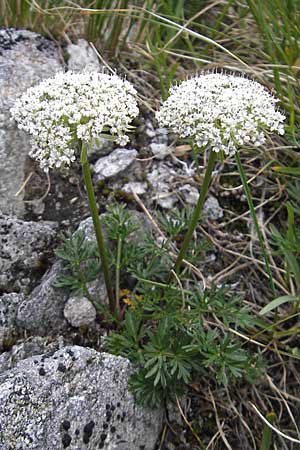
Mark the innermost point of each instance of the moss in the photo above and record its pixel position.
(8, 343)
(123, 196)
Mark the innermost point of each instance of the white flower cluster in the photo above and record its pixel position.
(223, 111)
(61, 110)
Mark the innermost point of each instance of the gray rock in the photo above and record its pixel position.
(158, 135)
(190, 193)
(97, 290)
(23, 246)
(25, 59)
(82, 57)
(212, 209)
(77, 398)
(139, 188)
(9, 304)
(149, 129)
(160, 151)
(87, 227)
(79, 311)
(161, 136)
(161, 180)
(100, 147)
(114, 164)
(42, 312)
(30, 347)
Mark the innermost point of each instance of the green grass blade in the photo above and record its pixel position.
(278, 302)
(254, 217)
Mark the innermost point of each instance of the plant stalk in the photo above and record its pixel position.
(254, 218)
(97, 225)
(118, 268)
(197, 212)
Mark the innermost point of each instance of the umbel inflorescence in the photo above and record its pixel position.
(70, 107)
(223, 111)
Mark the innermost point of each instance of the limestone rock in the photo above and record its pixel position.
(23, 247)
(25, 59)
(114, 164)
(75, 398)
(41, 313)
(79, 311)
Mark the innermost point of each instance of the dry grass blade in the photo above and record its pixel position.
(285, 436)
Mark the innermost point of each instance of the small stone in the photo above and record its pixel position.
(135, 186)
(79, 311)
(100, 147)
(161, 180)
(82, 57)
(190, 193)
(160, 151)
(212, 209)
(114, 164)
(38, 207)
(161, 136)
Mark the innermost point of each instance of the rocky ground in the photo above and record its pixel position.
(55, 391)
(53, 394)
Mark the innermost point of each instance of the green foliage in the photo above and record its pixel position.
(174, 223)
(81, 263)
(119, 222)
(172, 344)
(266, 441)
(287, 245)
(172, 335)
(278, 24)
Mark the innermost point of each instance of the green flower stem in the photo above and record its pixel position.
(97, 225)
(197, 211)
(118, 268)
(254, 217)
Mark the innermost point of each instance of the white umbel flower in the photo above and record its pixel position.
(71, 106)
(225, 112)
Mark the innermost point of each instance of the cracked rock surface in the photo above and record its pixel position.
(75, 398)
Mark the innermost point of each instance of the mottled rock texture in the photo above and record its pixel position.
(82, 57)
(24, 247)
(34, 345)
(41, 313)
(114, 164)
(9, 304)
(25, 59)
(79, 311)
(75, 398)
